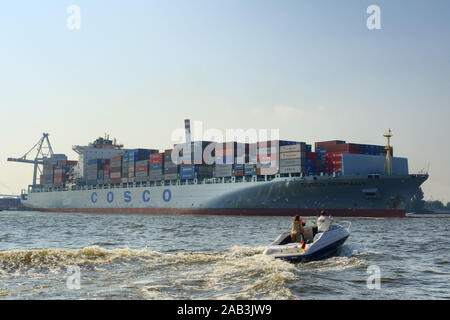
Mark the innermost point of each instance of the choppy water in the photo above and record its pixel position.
(212, 257)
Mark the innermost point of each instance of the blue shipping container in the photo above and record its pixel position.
(187, 175)
(156, 166)
(250, 172)
(188, 169)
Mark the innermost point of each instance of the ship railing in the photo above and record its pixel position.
(234, 179)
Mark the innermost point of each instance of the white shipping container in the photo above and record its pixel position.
(293, 162)
(114, 175)
(290, 155)
(292, 169)
(290, 148)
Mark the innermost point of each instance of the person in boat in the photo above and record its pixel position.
(297, 229)
(323, 222)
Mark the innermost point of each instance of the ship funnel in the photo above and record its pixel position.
(187, 128)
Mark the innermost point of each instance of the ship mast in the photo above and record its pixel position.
(388, 163)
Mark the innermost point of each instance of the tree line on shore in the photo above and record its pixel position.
(419, 205)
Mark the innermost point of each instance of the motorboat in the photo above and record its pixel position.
(317, 245)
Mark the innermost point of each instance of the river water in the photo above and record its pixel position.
(126, 256)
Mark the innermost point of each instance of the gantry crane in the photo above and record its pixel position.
(43, 150)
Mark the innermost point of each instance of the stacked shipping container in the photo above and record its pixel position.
(156, 166)
(115, 169)
(229, 159)
(170, 168)
(334, 149)
(293, 158)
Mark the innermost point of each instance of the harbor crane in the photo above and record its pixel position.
(43, 149)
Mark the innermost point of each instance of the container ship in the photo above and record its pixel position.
(265, 178)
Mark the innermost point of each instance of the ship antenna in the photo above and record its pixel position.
(388, 163)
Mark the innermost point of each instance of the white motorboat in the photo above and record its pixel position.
(318, 245)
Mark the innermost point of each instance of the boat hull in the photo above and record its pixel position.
(340, 196)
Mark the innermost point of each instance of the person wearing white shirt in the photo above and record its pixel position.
(323, 222)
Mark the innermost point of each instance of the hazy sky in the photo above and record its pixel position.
(137, 69)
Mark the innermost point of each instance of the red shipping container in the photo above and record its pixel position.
(156, 158)
(311, 155)
(115, 169)
(238, 173)
(325, 144)
(116, 158)
(266, 171)
(343, 147)
(115, 180)
(141, 169)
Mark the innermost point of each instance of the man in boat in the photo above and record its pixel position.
(323, 222)
(297, 229)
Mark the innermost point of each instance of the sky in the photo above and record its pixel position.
(312, 69)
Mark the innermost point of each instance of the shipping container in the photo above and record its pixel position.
(156, 167)
(292, 155)
(115, 175)
(292, 169)
(157, 158)
(141, 179)
(293, 162)
(266, 171)
(249, 171)
(238, 173)
(294, 148)
(325, 144)
(170, 170)
(268, 158)
(187, 176)
(170, 176)
(156, 172)
(141, 174)
(158, 177)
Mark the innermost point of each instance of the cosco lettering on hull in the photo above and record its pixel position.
(126, 196)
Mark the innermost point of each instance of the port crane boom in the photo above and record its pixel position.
(43, 150)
